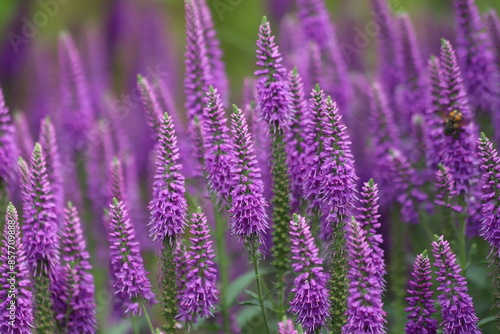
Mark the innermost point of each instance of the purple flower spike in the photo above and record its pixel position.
(364, 303)
(338, 185)
(286, 327)
(490, 167)
(50, 147)
(116, 182)
(477, 61)
(493, 25)
(77, 112)
(406, 183)
(445, 189)
(150, 103)
(310, 303)
(130, 280)
(272, 86)
(14, 272)
(457, 308)
(248, 210)
(8, 148)
(421, 307)
(200, 294)
(368, 219)
(217, 146)
(82, 307)
(389, 54)
(168, 207)
(459, 149)
(214, 52)
(295, 136)
(198, 75)
(40, 221)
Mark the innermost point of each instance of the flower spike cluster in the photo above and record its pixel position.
(130, 280)
(421, 305)
(13, 265)
(310, 303)
(248, 210)
(457, 309)
(200, 294)
(168, 207)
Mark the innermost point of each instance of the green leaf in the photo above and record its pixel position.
(240, 284)
(486, 321)
(251, 294)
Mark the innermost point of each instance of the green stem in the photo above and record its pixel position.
(148, 320)
(220, 240)
(134, 325)
(255, 261)
(463, 244)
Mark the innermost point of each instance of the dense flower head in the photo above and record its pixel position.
(40, 221)
(198, 75)
(130, 280)
(200, 293)
(310, 303)
(286, 327)
(406, 187)
(458, 151)
(272, 86)
(445, 189)
(248, 210)
(457, 309)
(338, 178)
(8, 148)
(295, 144)
(421, 305)
(168, 207)
(14, 268)
(76, 101)
(490, 168)
(79, 281)
(364, 302)
(368, 220)
(314, 146)
(218, 154)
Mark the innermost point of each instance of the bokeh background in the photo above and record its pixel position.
(120, 38)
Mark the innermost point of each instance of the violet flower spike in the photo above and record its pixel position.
(421, 305)
(490, 168)
(272, 86)
(457, 308)
(14, 273)
(493, 26)
(286, 327)
(130, 280)
(198, 74)
(310, 303)
(218, 154)
(458, 152)
(150, 103)
(445, 189)
(82, 305)
(248, 210)
(200, 295)
(168, 208)
(338, 178)
(116, 182)
(76, 101)
(295, 143)
(8, 147)
(365, 312)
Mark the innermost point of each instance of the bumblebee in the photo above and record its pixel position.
(453, 122)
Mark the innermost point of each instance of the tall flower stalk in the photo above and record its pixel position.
(42, 252)
(274, 106)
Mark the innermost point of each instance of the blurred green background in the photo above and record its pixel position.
(237, 22)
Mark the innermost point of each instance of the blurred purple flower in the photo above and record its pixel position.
(8, 147)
